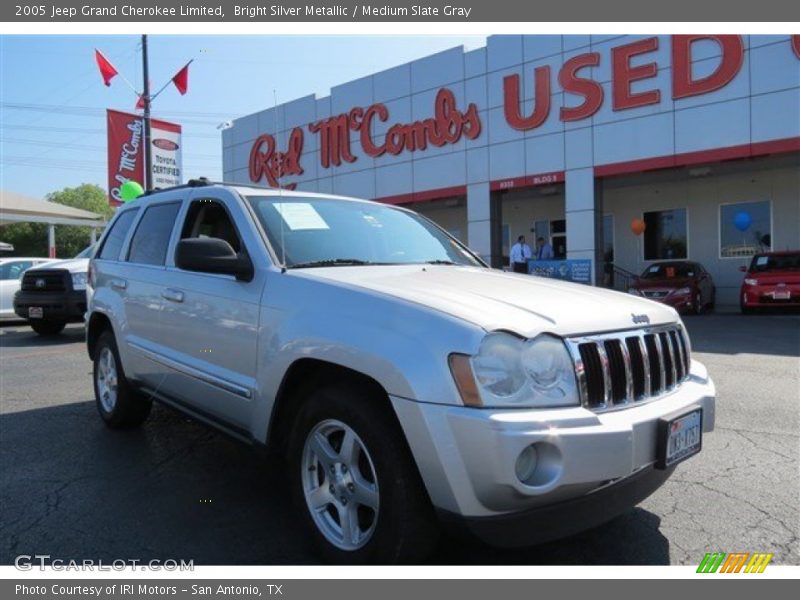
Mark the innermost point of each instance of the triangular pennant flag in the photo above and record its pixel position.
(107, 70)
(181, 79)
(140, 103)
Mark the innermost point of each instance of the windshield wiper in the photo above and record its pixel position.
(332, 262)
(439, 262)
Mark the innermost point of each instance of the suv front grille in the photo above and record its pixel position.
(620, 368)
(55, 280)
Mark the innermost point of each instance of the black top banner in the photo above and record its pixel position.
(402, 11)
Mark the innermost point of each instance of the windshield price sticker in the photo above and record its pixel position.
(300, 216)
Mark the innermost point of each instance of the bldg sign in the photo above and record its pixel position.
(577, 270)
(630, 73)
(126, 152)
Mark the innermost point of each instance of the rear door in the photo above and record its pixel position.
(139, 280)
(209, 322)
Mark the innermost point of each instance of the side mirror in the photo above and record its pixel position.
(743, 269)
(212, 255)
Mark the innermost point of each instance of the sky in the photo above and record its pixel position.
(53, 101)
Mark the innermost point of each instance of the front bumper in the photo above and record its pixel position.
(680, 302)
(56, 306)
(756, 296)
(467, 456)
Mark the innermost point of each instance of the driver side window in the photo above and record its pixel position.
(209, 218)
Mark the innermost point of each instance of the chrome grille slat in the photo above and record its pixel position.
(619, 369)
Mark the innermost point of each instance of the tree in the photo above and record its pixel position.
(30, 239)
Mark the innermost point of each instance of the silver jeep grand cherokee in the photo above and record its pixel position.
(407, 384)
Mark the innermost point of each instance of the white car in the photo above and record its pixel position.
(407, 384)
(11, 271)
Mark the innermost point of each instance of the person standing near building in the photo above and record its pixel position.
(544, 251)
(520, 253)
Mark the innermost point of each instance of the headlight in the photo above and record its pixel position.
(633, 291)
(79, 281)
(749, 281)
(683, 291)
(511, 372)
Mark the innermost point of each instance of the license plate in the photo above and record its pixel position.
(781, 294)
(679, 437)
(35, 312)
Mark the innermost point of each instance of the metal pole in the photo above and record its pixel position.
(51, 240)
(148, 164)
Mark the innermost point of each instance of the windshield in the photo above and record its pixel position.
(329, 232)
(780, 262)
(670, 271)
(86, 252)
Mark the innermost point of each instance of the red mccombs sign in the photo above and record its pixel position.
(449, 123)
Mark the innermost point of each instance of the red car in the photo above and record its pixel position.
(772, 280)
(684, 285)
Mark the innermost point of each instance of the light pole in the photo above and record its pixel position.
(148, 165)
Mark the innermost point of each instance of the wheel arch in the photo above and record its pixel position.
(97, 324)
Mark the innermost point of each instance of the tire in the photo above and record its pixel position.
(48, 327)
(698, 304)
(377, 484)
(119, 405)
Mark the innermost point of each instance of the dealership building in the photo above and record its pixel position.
(581, 140)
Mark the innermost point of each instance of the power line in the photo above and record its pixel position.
(90, 131)
(89, 147)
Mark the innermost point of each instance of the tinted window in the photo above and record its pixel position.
(116, 235)
(149, 243)
(14, 270)
(208, 218)
(665, 234)
(670, 271)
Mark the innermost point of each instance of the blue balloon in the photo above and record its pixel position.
(742, 220)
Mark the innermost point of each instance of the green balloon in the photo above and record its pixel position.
(130, 190)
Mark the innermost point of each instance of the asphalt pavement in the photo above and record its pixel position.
(174, 489)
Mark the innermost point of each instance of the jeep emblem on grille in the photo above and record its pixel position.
(640, 318)
(40, 283)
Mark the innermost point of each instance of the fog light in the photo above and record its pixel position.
(526, 464)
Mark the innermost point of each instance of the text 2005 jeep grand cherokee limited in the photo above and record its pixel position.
(407, 384)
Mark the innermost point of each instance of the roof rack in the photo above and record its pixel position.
(203, 182)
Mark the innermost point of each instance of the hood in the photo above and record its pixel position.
(73, 265)
(493, 299)
(663, 283)
(775, 277)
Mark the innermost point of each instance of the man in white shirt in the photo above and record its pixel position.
(520, 253)
(544, 251)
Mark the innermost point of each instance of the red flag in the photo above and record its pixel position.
(181, 79)
(107, 70)
(140, 103)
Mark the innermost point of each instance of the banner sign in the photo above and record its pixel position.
(577, 270)
(126, 152)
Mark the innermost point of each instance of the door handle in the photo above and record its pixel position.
(119, 284)
(172, 295)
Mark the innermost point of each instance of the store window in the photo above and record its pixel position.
(745, 228)
(665, 234)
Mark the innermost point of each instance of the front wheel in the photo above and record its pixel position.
(48, 327)
(119, 405)
(355, 482)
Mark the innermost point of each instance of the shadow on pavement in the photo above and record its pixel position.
(20, 335)
(72, 488)
(774, 334)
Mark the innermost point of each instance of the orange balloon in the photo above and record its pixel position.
(638, 227)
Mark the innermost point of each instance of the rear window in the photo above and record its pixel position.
(781, 262)
(116, 235)
(150, 241)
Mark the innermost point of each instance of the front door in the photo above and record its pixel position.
(209, 322)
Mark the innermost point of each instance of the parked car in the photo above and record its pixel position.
(771, 280)
(407, 384)
(684, 285)
(53, 293)
(11, 270)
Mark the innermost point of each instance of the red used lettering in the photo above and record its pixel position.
(623, 75)
(267, 162)
(541, 106)
(796, 45)
(591, 91)
(684, 85)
